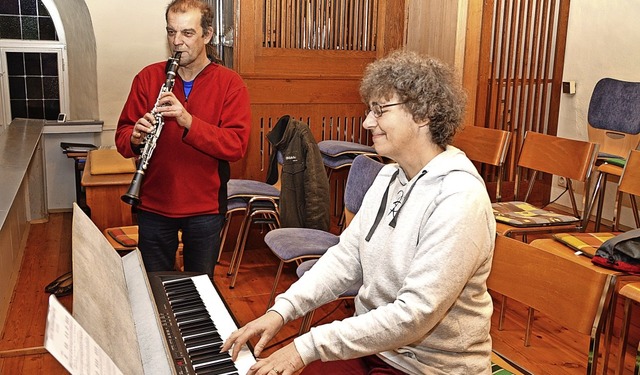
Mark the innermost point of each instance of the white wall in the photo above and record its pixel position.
(130, 34)
(603, 41)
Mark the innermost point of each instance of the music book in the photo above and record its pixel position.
(113, 303)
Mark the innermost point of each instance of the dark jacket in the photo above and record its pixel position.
(304, 194)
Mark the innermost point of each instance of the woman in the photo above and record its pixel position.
(420, 246)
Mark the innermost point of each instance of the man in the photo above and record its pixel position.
(206, 126)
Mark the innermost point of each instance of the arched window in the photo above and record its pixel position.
(32, 83)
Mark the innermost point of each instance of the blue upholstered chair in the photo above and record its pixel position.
(258, 202)
(299, 244)
(307, 321)
(340, 154)
(614, 124)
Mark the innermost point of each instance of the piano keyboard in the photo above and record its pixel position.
(196, 322)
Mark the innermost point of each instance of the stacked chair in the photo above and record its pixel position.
(258, 202)
(340, 154)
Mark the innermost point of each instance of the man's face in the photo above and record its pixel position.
(185, 34)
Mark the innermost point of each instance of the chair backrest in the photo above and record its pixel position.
(614, 116)
(572, 159)
(629, 184)
(539, 279)
(362, 173)
(483, 145)
(487, 146)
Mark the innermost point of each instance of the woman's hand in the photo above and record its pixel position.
(265, 326)
(285, 361)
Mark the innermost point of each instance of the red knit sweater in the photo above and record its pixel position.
(188, 171)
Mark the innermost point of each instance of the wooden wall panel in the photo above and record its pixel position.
(327, 121)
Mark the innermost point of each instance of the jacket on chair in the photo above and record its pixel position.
(304, 194)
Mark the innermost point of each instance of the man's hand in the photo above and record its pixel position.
(142, 127)
(170, 106)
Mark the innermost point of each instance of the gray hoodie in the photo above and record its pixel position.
(423, 306)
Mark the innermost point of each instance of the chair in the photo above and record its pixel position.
(486, 146)
(308, 319)
(258, 201)
(337, 155)
(125, 239)
(629, 184)
(538, 279)
(588, 243)
(631, 293)
(340, 154)
(614, 124)
(298, 244)
(544, 153)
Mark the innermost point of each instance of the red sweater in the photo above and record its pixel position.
(188, 172)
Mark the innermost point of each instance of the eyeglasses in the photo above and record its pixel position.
(377, 109)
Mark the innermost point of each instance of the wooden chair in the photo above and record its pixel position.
(487, 146)
(587, 243)
(542, 153)
(125, 239)
(631, 293)
(614, 124)
(538, 279)
(629, 184)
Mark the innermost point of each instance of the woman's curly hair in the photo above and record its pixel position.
(428, 87)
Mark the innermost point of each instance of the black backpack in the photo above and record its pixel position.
(621, 253)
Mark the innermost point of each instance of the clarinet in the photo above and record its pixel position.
(132, 196)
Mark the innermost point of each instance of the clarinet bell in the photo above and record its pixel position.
(132, 196)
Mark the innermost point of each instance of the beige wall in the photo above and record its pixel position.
(130, 34)
(602, 41)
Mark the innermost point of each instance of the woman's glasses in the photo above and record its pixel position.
(377, 109)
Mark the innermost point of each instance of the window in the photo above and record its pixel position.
(31, 62)
(26, 20)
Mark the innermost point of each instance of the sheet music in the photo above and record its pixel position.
(72, 346)
(101, 296)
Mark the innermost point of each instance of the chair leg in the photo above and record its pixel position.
(240, 250)
(503, 307)
(275, 284)
(307, 320)
(527, 333)
(603, 188)
(232, 262)
(624, 334)
(223, 233)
